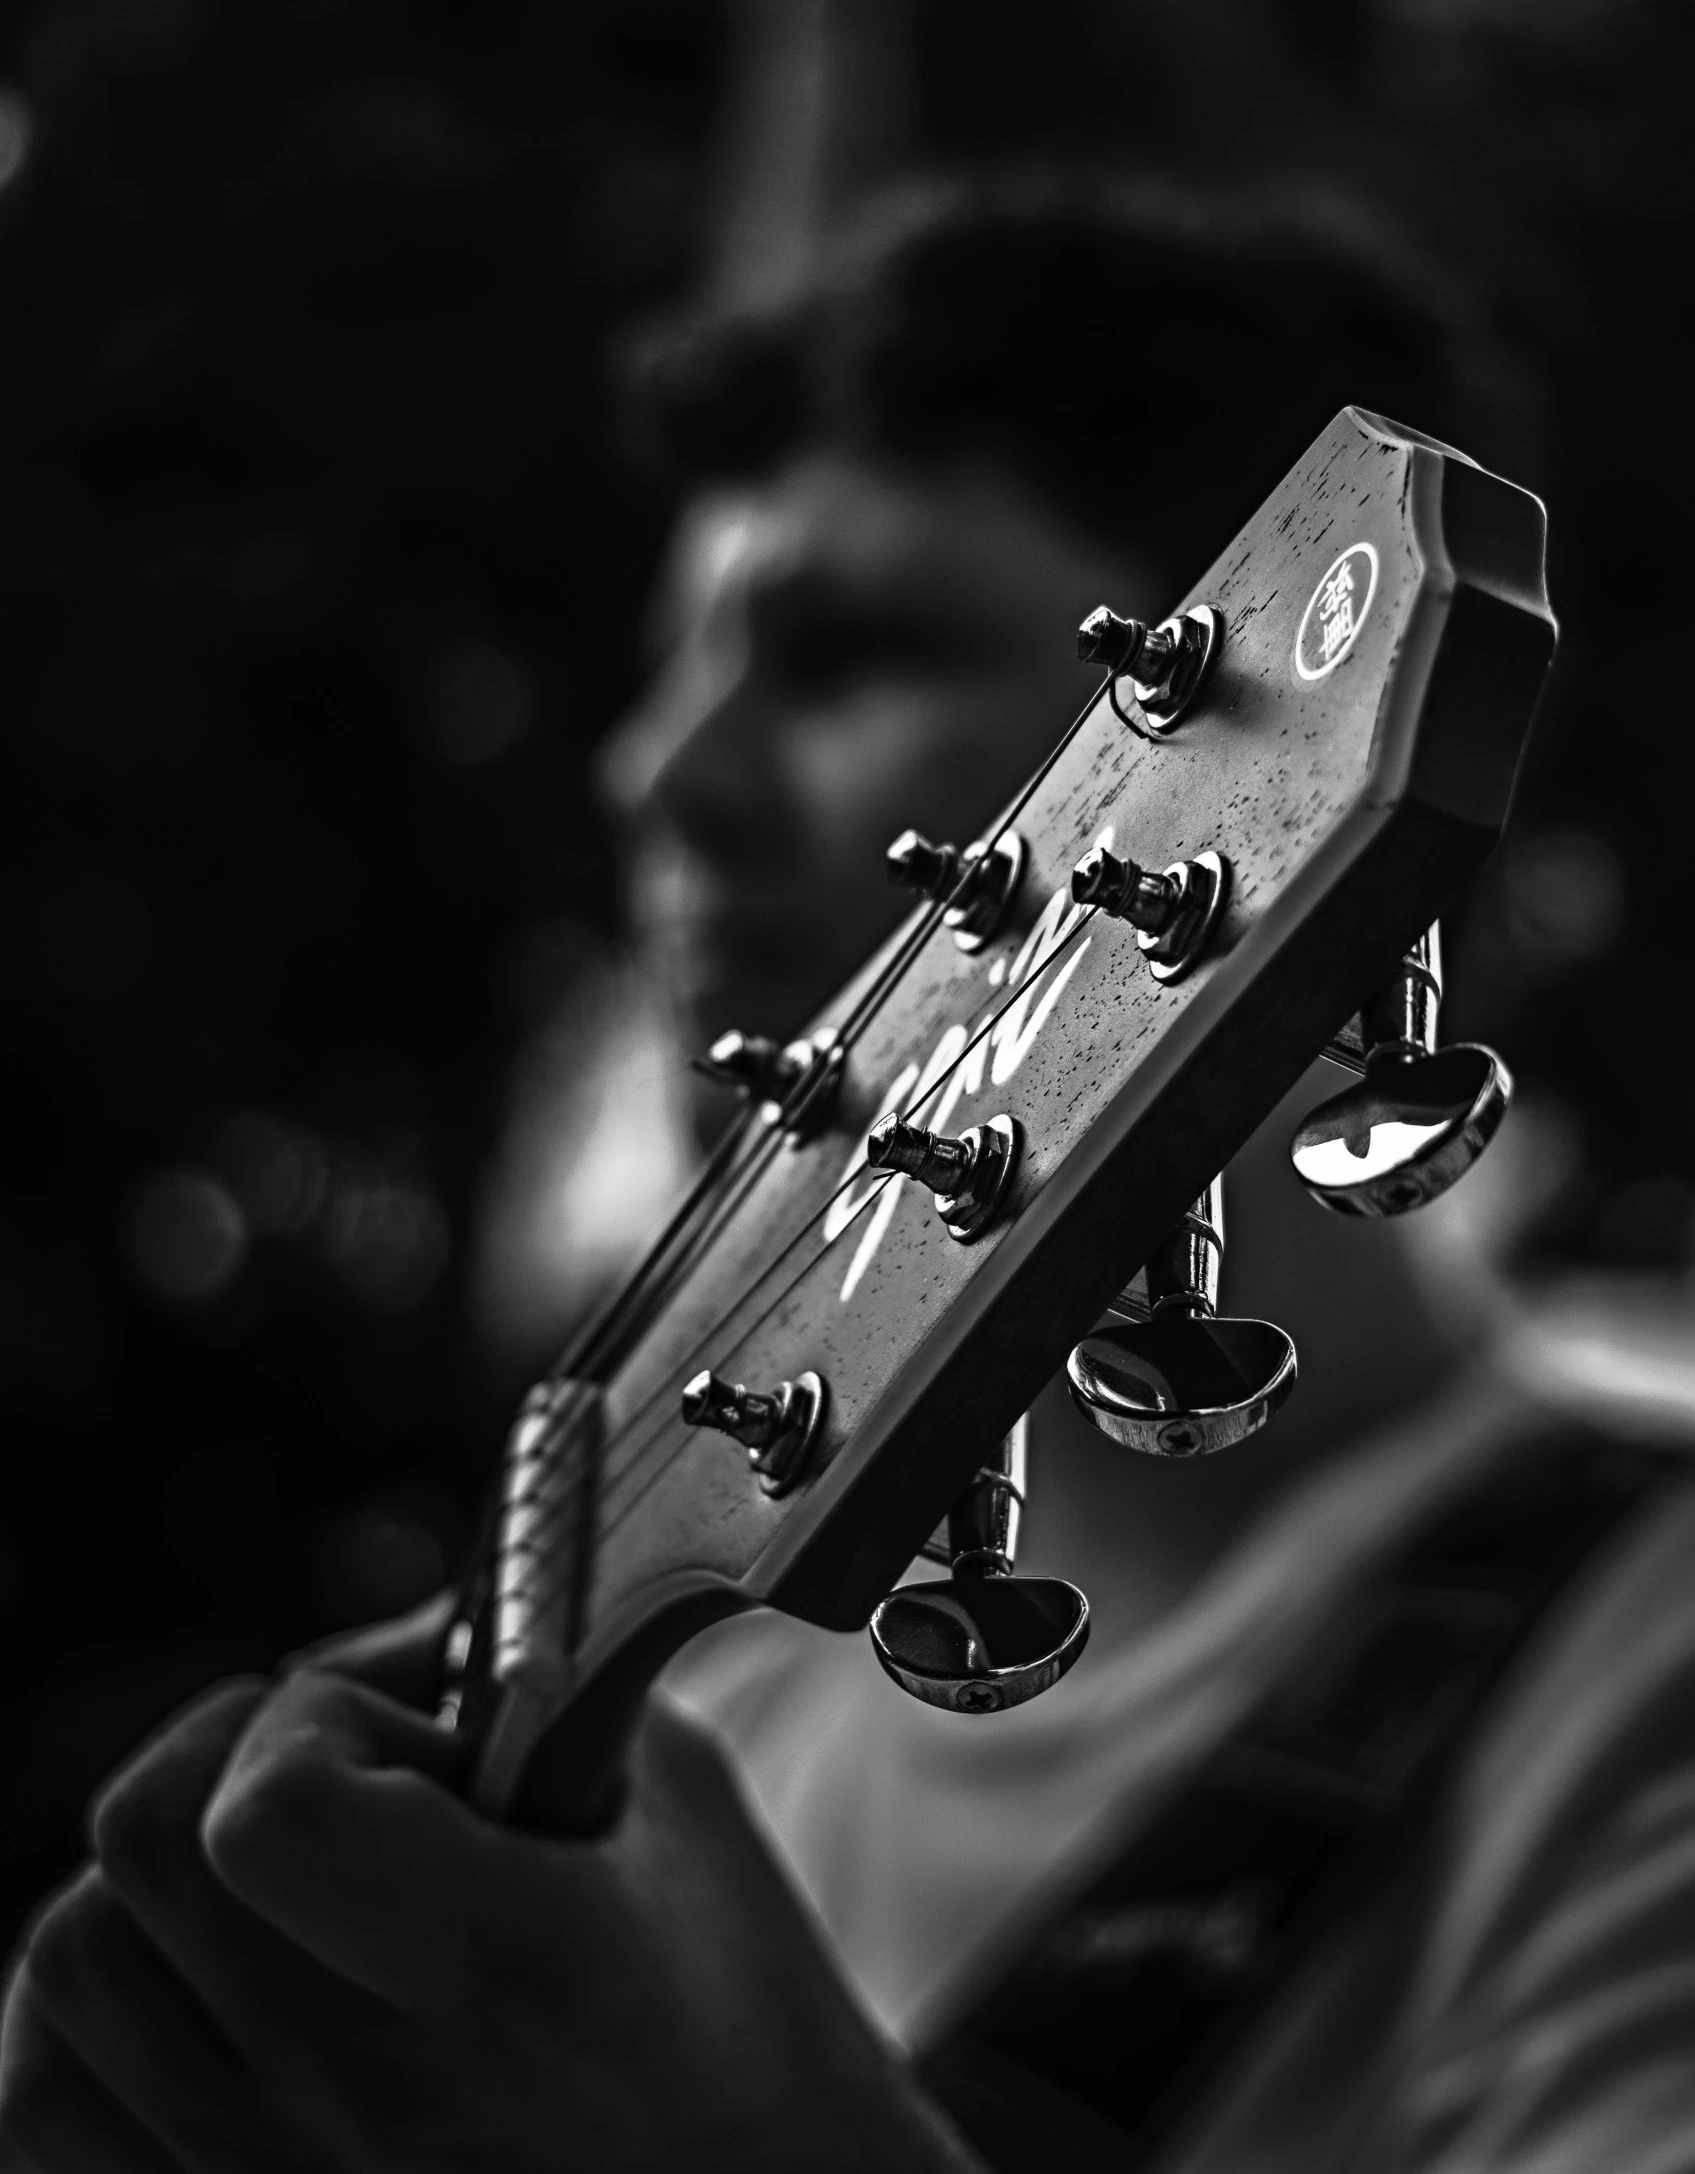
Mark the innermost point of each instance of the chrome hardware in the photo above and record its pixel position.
(777, 1429)
(762, 1067)
(1182, 1382)
(795, 1083)
(967, 1175)
(980, 882)
(1174, 914)
(1121, 644)
(1166, 665)
(982, 1640)
(1420, 1116)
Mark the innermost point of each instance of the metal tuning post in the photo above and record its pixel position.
(979, 883)
(1420, 1116)
(1166, 665)
(1183, 1382)
(982, 1639)
(968, 1176)
(794, 1083)
(1173, 914)
(778, 1429)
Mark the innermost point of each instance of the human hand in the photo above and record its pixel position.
(298, 1949)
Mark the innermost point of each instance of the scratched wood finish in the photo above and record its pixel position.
(1350, 809)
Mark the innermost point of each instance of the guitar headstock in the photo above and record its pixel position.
(1321, 761)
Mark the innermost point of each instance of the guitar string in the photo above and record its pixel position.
(598, 1349)
(593, 1348)
(541, 1536)
(565, 1501)
(538, 1491)
(899, 967)
(601, 1329)
(708, 1226)
(929, 1092)
(579, 1356)
(852, 1177)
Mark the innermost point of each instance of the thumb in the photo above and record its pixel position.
(335, 1820)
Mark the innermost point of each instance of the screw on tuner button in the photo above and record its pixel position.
(982, 1640)
(1420, 1117)
(968, 1176)
(779, 1428)
(1183, 1382)
(1174, 914)
(978, 883)
(1167, 665)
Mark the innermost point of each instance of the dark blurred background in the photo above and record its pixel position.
(322, 572)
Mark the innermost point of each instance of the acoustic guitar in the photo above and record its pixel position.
(991, 1158)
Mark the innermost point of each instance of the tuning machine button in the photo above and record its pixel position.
(1174, 913)
(795, 1083)
(968, 1176)
(1420, 1116)
(1167, 665)
(979, 884)
(778, 1428)
(1183, 1382)
(982, 1639)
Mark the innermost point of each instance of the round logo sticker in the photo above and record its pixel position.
(1336, 612)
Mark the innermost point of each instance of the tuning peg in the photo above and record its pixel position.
(1167, 665)
(978, 883)
(778, 1428)
(794, 1083)
(761, 1067)
(981, 1640)
(1421, 1115)
(967, 1175)
(1183, 1383)
(1174, 914)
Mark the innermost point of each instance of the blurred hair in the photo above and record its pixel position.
(1150, 358)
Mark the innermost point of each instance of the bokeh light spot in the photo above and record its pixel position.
(388, 1240)
(187, 1237)
(276, 1168)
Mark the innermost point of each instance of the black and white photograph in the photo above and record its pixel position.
(847, 1036)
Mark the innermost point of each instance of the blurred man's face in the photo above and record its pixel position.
(850, 649)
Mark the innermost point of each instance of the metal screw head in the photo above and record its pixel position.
(967, 1175)
(760, 1067)
(916, 863)
(778, 1431)
(943, 1165)
(1100, 879)
(750, 1061)
(734, 1409)
(978, 1698)
(1124, 891)
(1106, 639)
(710, 1401)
